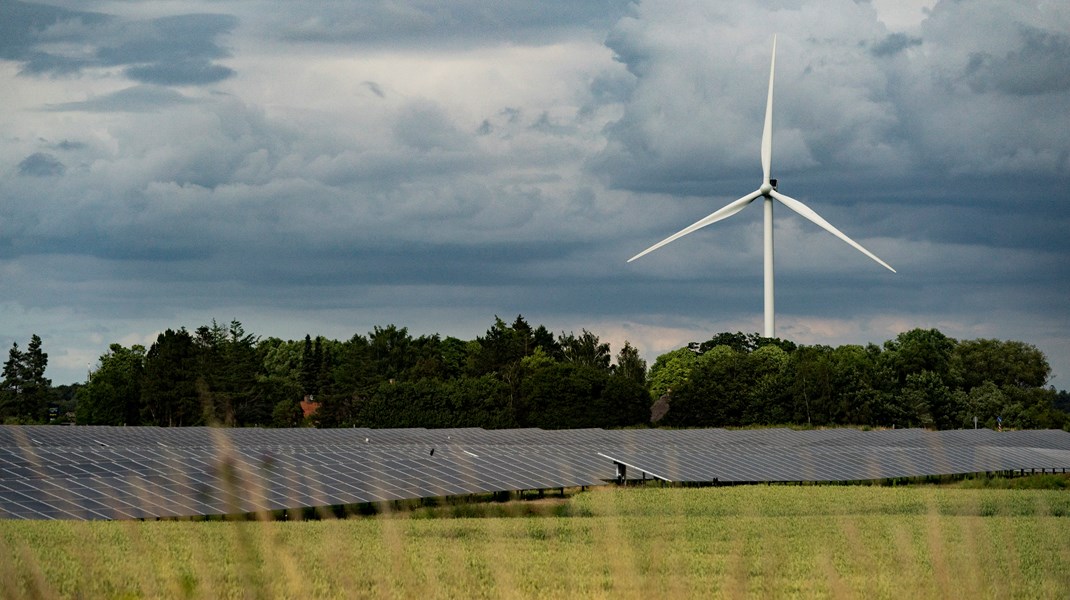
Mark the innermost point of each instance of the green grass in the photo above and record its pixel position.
(734, 542)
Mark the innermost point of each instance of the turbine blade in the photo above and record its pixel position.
(807, 212)
(727, 211)
(767, 132)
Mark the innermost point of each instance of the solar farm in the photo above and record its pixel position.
(119, 473)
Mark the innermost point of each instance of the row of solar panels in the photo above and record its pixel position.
(143, 472)
(40, 436)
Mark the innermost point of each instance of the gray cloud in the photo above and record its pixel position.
(426, 127)
(894, 44)
(174, 50)
(25, 25)
(460, 22)
(141, 98)
(40, 164)
(1038, 66)
(69, 145)
(374, 88)
(181, 72)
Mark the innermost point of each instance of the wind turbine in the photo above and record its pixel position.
(767, 191)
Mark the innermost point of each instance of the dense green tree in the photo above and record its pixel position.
(478, 402)
(228, 367)
(623, 402)
(671, 370)
(812, 386)
(519, 375)
(1062, 401)
(630, 365)
(985, 401)
(428, 361)
(715, 393)
(745, 342)
(766, 402)
(454, 356)
(564, 395)
(356, 369)
(920, 350)
(38, 387)
(1010, 363)
(928, 402)
(860, 387)
(1031, 408)
(11, 389)
(404, 404)
(169, 391)
(500, 349)
(25, 391)
(65, 399)
(311, 361)
(390, 350)
(433, 403)
(287, 412)
(279, 380)
(280, 358)
(112, 396)
(585, 349)
(542, 338)
(341, 409)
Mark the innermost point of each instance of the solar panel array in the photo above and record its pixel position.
(50, 472)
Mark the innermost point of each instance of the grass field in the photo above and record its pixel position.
(735, 542)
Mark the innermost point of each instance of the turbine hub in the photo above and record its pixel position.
(766, 188)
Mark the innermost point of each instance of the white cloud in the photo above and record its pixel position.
(901, 15)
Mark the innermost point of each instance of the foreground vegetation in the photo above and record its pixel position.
(769, 541)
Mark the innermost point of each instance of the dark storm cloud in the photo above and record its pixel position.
(43, 63)
(25, 25)
(40, 164)
(1039, 65)
(175, 50)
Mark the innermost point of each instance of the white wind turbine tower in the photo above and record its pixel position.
(768, 191)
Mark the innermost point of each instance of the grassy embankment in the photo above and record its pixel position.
(765, 541)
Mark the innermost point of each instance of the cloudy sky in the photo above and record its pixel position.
(325, 167)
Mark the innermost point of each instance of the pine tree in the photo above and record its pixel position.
(25, 390)
(37, 385)
(13, 384)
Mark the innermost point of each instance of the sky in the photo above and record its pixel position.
(327, 167)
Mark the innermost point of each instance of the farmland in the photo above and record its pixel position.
(764, 541)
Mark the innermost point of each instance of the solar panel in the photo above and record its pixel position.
(50, 472)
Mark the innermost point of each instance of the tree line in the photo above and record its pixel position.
(922, 378)
(515, 375)
(519, 375)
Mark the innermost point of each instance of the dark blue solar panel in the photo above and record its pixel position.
(144, 472)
